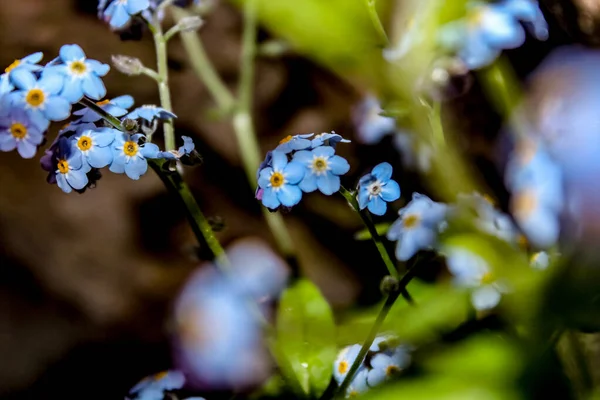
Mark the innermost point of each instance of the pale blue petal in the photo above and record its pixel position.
(100, 157)
(61, 181)
(26, 149)
(501, 30)
(363, 197)
(376, 376)
(390, 191)
(118, 164)
(104, 136)
(149, 150)
(269, 199)
(125, 101)
(7, 142)
(377, 206)
(71, 52)
(136, 167)
(100, 69)
(325, 151)
(22, 79)
(119, 17)
(72, 90)
(338, 165)
(137, 6)
(328, 184)
(77, 179)
(33, 58)
(93, 87)
(264, 177)
(303, 156)
(294, 172)
(542, 228)
(279, 160)
(383, 171)
(51, 83)
(485, 297)
(57, 108)
(309, 183)
(406, 247)
(476, 53)
(289, 195)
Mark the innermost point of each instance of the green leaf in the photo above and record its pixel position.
(306, 337)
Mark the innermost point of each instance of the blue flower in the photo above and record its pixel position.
(487, 218)
(539, 260)
(150, 112)
(327, 139)
(387, 364)
(358, 384)
(129, 156)
(154, 386)
(279, 182)
(186, 149)
(116, 107)
(344, 361)
(370, 125)
(378, 188)
(323, 169)
(40, 97)
(119, 12)
(18, 131)
(81, 75)
(489, 28)
(70, 170)
(294, 143)
(94, 146)
(29, 63)
(417, 227)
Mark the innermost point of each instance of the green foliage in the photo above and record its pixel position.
(381, 229)
(306, 337)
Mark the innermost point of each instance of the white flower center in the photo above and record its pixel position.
(319, 165)
(375, 188)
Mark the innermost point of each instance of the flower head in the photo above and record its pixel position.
(370, 125)
(279, 181)
(417, 227)
(378, 188)
(94, 146)
(120, 12)
(154, 386)
(487, 218)
(323, 169)
(70, 172)
(116, 107)
(294, 143)
(344, 361)
(18, 130)
(150, 112)
(327, 139)
(81, 75)
(130, 154)
(186, 149)
(30, 63)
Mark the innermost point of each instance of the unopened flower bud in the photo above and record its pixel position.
(130, 124)
(190, 24)
(127, 65)
(389, 285)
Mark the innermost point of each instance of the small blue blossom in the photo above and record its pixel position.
(18, 131)
(344, 361)
(294, 143)
(370, 125)
(327, 139)
(487, 29)
(186, 149)
(387, 364)
(150, 112)
(70, 170)
(40, 97)
(323, 169)
(81, 75)
(378, 188)
(154, 386)
(94, 145)
(116, 107)
(358, 384)
(129, 156)
(417, 227)
(29, 63)
(119, 12)
(279, 182)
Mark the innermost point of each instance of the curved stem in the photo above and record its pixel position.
(377, 22)
(437, 127)
(114, 121)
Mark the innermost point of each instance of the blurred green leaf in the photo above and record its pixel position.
(381, 228)
(306, 336)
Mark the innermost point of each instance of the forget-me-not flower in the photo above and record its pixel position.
(370, 125)
(417, 227)
(116, 107)
(487, 218)
(18, 130)
(327, 139)
(119, 12)
(153, 387)
(186, 149)
(279, 181)
(70, 170)
(344, 361)
(81, 75)
(323, 169)
(129, 156)
(94, 145)
(378, 188)
(150, 112)
(40, 98)
(293, 143)
(29, 63)
(358, 384)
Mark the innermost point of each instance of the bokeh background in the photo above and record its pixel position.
(87, 281)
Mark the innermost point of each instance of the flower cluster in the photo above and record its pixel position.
(300, 163)
(489, 28)
(385, 359)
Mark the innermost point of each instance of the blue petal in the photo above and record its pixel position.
(61, 181)
(289, 195)
(390, 191)
(279, 160)
(308, 183)
(72, 90)
(377, 206)
(57, 109)
(104, 136)
(383, 171)
(26, 149)
(325, 151)
(22, 79)
(328, 184)
(363, 197)
(118, 164)
(476, 53)
(51, 83)
(124, 101)
(100, 69)
(77, 179)
(136, 168)
(485, 297)
(7, 142)
(149, 150)
(136, 6)
(270, 199)
(294, 172)
(338, 165)
(188, 145)
(119, 17)
(501, 30)
(71, 52)
(264, 177)
(303, 156)
(406, 247)
(93, 87)
(33, 58)
(100, 157)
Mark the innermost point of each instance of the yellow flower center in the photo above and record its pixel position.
(522, 241)
(277, 179)
(524, 203)
(160, 375)
(12, 66)
(130, 148)
(103, 102)
(286, 139)
(489, 199)
(391, 370)
(18, 130)
(319, 165)
(84, 143)
(78, 68)
(343, 367)
(35, 97)
(410, 221)
(487, 278)
(353, 393)
(63, 166)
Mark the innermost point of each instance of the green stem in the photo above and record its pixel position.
(437, 128)
(114, 121)
(376, 22)
(162, 67)
(368, 222)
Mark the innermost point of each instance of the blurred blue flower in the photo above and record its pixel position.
(378, 188)
(279, 182)
(294, 143)
(327, 139)
(490, 28)
(154, 386)
(116, 107)
(323, 169)
(94, 145)
(370, 125)
(81, 75)
(187, 147)
(18, 131)
(39, 97)
(414, 154)
(417, 227)
(387, 364)
(358, 384)
(119, 12)
(29, 63)
(539, 260)
(70, 170)
(129, 156)
(487, 218)
(344, 361)
(150, 112)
